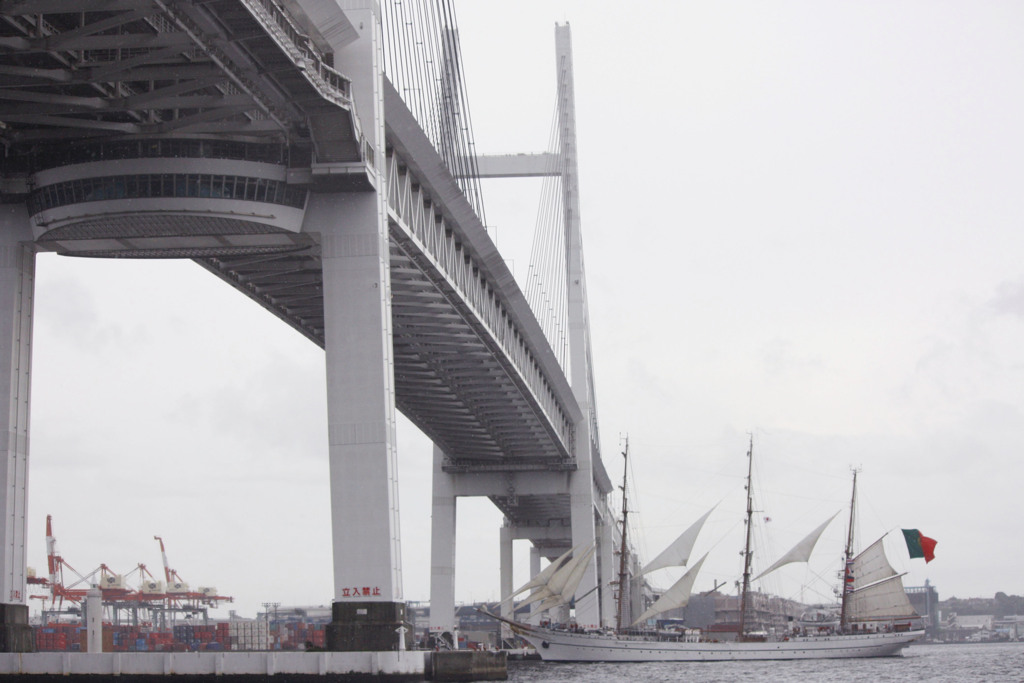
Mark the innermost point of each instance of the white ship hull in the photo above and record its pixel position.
(564, 646)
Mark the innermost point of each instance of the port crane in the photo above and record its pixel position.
(153, 599)
(170, 575)
(73, 592)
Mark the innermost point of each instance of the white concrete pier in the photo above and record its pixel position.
(397, 665)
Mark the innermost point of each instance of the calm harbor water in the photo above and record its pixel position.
(930, 663)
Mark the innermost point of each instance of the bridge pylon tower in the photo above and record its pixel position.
(585, 498)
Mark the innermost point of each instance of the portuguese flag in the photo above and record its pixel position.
(920, 546)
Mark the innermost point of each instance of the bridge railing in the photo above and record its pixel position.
(297, 44)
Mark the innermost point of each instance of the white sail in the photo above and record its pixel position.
(676, 596)
(568, 589)
(871, 565)
(558, 582)
(553, 586)
(801, 552)
(877, 588)
(542, 577)
(886, 599)
(678, 553)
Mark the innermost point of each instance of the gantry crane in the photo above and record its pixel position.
(152, 596)
(170, 576)
(179, 597)
(109, 582)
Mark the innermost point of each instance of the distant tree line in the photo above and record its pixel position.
(1001, 605)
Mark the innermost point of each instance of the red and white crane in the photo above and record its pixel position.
(170, 575)
(74, 592)
(175, 595)
(177, 590)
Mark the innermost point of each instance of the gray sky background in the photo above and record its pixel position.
(801, 220)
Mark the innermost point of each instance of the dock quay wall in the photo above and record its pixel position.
(467, 665)
(198, 666)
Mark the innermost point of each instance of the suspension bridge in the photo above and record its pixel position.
(318, 157)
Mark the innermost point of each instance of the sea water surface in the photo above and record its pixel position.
(954, 663)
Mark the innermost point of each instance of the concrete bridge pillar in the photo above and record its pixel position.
(442, 551)
(534, 570)
(368, 605)
(368, 611)
(588, 613)
(505, 537)
(606, 558)
(17, 290)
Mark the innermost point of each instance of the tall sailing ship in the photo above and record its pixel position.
(876, 617)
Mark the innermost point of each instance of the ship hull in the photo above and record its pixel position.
(562, 646)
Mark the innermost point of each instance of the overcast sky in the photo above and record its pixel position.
(802, 220)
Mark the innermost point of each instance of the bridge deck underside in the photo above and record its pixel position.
(454, 386)
(550, 513)
(76, 68)
(448, 380)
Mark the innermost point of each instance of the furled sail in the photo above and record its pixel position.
(877, 588)
(542, 577)
(801, 552)
(678, 553)
(676, 596)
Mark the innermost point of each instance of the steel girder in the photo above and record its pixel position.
(90, 68)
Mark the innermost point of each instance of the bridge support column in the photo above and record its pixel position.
(505, 576)
(534, 570)
(368, 611)
(17, 289)
(361, 423)
(607, 570)
(588, 614)
(442, 553)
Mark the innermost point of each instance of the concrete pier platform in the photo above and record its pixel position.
(294, 667)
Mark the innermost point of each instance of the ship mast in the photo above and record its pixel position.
(622, 549)
(746, 550)
(848, 556)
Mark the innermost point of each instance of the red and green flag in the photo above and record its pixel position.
(919, 546)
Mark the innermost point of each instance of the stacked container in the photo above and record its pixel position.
(50, 639)
(318, 636)
(59, 637)
(125, 638)
(223, 635)
(238, 634)
(297, 635)
(160, 641)
(184, 634)
(249, 635)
